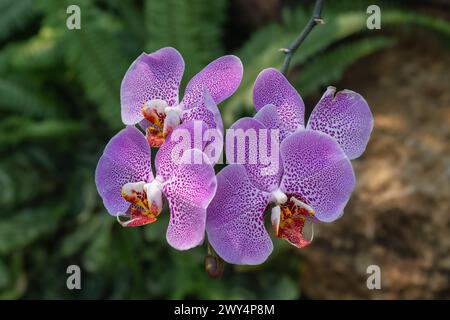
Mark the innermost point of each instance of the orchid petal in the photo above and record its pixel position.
(207, 112)
(346, 117)
(253, 145)
(189, 191)
(125, 159)
(272, 87)
(317, 172)
(221, 78)
(268, 115)
(188, 135)
(150, 76)
(235, 220)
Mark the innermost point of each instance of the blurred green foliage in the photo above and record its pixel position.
(59, 105)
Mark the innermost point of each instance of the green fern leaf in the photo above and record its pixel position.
(258, 53)
(17, 99)
(193, 27)
(329, 66)
(99, 67)
(25, 227)
(15, 15)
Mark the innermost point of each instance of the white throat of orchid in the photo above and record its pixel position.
(289, 217)
(145, 200)
(163, 119)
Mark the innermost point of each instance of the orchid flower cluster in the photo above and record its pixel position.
(303, 175)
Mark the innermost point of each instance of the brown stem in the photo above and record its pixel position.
(315, 19)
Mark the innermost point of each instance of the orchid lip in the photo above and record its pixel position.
(163, 119)
(162, 107)
(146, 202)
(303, 205)
(278, 197)
(155, 104)
(275, 218)
(154, 193)
(289, 219)
(172, 119)
(176, 109)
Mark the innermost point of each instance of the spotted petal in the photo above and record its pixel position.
(150, 76)
(189, 191)
(188, 135)
(346, 117)
(268, 115)
(253, 145)
(235, 220)
(210, 115)
(206, 111)
(126, 159)
(272, 87)
(221, 78)
(317, 172)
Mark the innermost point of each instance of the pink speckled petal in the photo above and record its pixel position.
(268, 115)
(317, 172)
(346, 117)
(257, 149)
(207, 112)
(126, 159)
(189, 191)
(221, 78)
(150, 76)
(272, 87)
(235, 220)
(188, 135)
(210, 115)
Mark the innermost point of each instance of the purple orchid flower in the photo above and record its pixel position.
(149, 92)
(184, 176)
(311, 181)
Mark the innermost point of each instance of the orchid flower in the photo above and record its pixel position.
(184, 176)
(149, 92)
(312, 179)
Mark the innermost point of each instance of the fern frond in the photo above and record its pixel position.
(15, 15)
(99, 66)
(133, 19)
(259, 53)
(38, 52)
(24, 227)
(20, 100)
(16, 130)
(397, 17)
(193, 27)
(329, 66)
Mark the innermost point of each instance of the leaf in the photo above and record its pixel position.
(98, 253)
(4, 275)
(37, 53)
(24, 227)
(269, 55)
(17, 130)
(258, 53)
(15, 15)
(192, 27)
(99, 67)
(329, 66)
(17, 99)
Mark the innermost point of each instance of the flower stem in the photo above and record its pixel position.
(315, 19)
